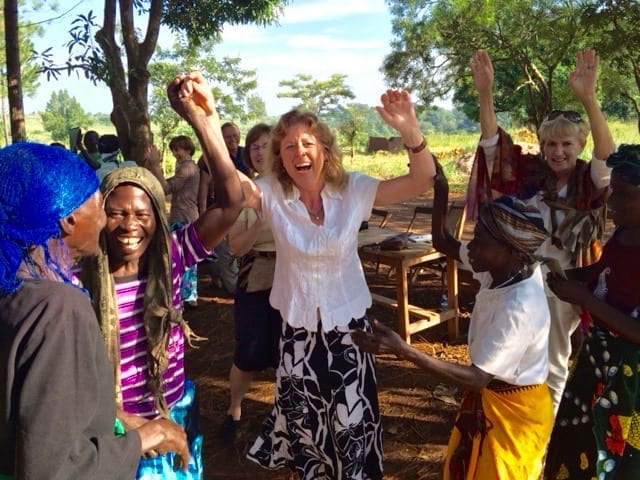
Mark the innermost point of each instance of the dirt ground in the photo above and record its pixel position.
(417, 411)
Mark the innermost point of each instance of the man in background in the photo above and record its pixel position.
(224, 268)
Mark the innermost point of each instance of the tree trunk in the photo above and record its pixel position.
(14, 83)
(129, 87)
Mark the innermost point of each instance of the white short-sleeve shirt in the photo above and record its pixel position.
(318, 270)
(509, 328)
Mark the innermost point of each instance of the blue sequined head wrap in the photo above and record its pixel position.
(39, 186)
(625, 162)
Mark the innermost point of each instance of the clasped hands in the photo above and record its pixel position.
(191, 97)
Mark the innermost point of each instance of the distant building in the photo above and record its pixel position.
(392, 144)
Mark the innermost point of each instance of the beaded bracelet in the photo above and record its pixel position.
(418, 148)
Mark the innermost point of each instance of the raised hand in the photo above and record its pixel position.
(482, 71)
(191, 97)
(583, 79)
(397, 111)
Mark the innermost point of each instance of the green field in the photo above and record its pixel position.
(447, 147)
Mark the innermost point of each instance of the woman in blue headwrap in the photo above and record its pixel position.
(597, 430)
(505, 417)
(56, 385)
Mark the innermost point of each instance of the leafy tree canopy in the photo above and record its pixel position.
(231, 84)
(62, 113)
(118, 52)
(203, 19)
(22, 62)
(317, 96)
(532, 44)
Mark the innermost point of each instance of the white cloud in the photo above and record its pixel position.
(325, 42)
(322, 10)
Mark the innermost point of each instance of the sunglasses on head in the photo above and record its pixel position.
(570, 115)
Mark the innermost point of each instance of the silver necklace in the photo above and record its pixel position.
(316, 216)
(510, 279)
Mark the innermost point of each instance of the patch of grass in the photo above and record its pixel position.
(37, 133)
(449, 148)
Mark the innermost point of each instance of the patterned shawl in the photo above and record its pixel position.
(523, 175)
(515, 224)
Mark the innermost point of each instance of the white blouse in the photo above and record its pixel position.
(318, 275)
(509, 328)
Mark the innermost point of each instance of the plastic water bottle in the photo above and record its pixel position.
(444, 301)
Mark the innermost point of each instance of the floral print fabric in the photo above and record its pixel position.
(326, 422)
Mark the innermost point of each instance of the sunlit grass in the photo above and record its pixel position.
(448, 148)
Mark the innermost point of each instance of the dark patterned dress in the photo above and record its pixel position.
(597, 430)
(323, 376)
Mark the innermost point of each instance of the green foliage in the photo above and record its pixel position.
(532, 43)
(232, 85)
(102, 119)
(353, 125)
(317, 96)
(612, 29)
(29, 70)
(256, 108)
(204, 19)
(62, 113)
(436, 119)
(118, 52)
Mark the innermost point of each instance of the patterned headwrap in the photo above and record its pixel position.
(512, 222)
(39, 186)
(625, 161)
(159, 313)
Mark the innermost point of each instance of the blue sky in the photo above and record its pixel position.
(315, 37)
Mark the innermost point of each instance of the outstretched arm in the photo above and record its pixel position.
(603, 313)
(397, 111)
(482, 71)
(154, 164)
(443, 240)
(583, 81)
(385, 340)
(191, 98)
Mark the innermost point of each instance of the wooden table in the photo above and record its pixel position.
(402, 261)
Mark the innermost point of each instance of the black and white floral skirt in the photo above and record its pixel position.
(326, 421)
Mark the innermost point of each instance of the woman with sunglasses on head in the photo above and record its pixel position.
(569, 192)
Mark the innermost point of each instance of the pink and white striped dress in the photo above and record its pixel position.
(186, 251)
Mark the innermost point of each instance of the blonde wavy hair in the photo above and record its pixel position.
(334, 173)
(561, 126)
